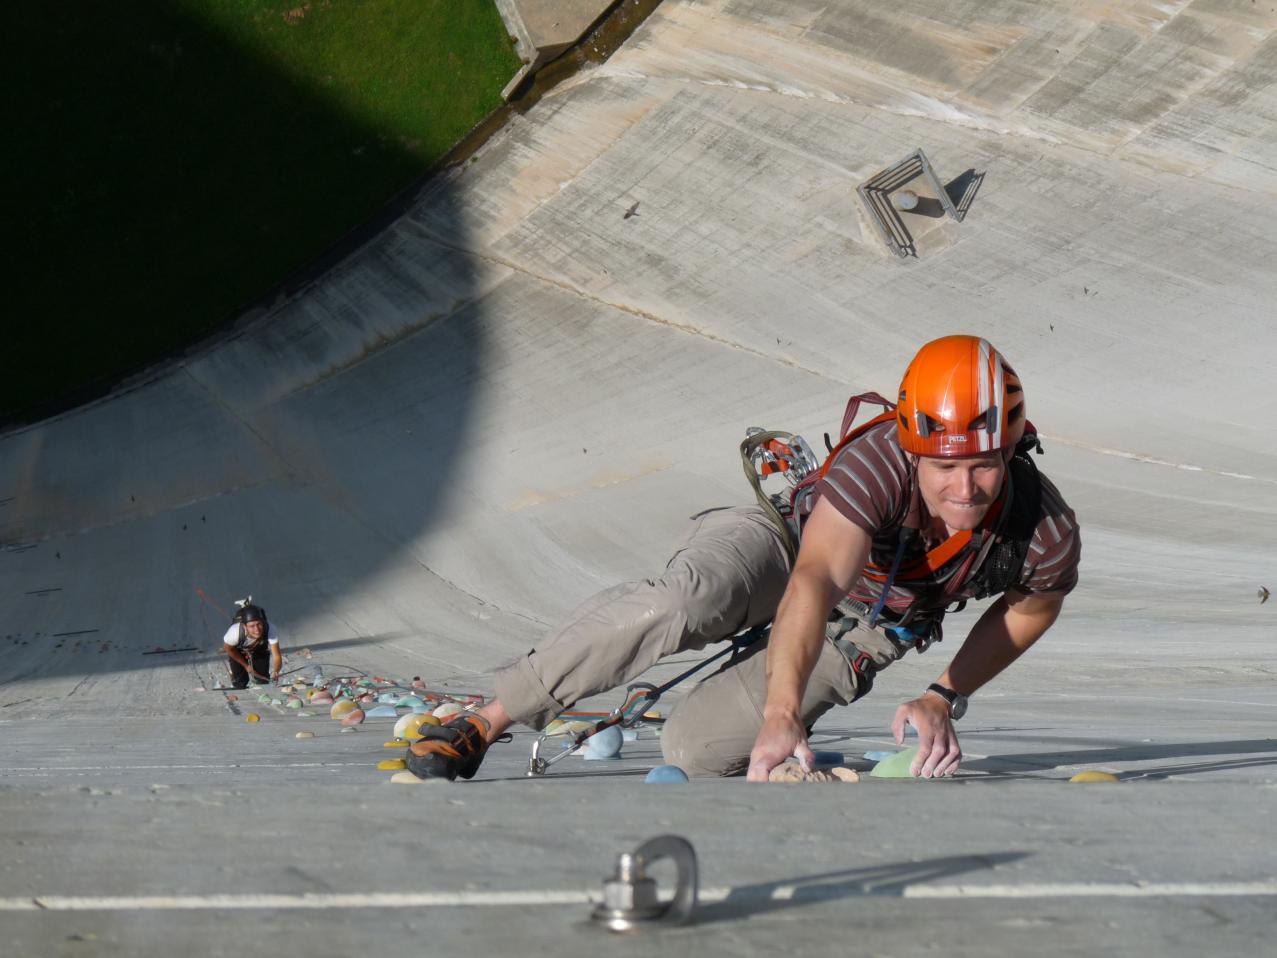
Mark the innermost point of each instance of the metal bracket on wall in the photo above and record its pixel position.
(876, 192)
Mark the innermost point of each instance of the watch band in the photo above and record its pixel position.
(949, 695)
(957, 701)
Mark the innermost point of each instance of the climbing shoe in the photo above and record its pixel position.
(455, 748)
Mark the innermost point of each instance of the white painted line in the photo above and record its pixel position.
(499, 899)
(1153, 460)
(1097, 890)
(220, 768)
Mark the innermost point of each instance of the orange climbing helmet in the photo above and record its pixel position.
(959, 397)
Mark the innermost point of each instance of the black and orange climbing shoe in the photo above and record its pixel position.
(455, 748)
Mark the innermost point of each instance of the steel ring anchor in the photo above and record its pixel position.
(630, 902)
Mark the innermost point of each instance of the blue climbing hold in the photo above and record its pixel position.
(605, 745)
(828, 758)
(878, 756)
(665, 775)
(381, 711)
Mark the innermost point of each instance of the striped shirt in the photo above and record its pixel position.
(869, 483)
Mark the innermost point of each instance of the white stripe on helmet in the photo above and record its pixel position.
(982, 378)
(999, 397)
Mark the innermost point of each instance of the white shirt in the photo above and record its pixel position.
(231, 637)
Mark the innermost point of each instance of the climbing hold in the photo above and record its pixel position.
(304, 735)
(276, 701)
(409, 726)
(396, 743)
(879, 756)
(348, 728)
(367, 699)
(407, 778)
(294, 703)
(574, 727)
(629, 734)
(409, 702)
(198, 688)
(232, 698)
(352, 718)
(665, 775)
(793, 772)
(1091, 775)
(341, 708)
(264, 699)
(303, 714)
(388, 698)
(382, 711)
(321, 698)
(252, 717)
(605, 745)
(392, 764)
(447, 709)
(422, 709)
(896, 765)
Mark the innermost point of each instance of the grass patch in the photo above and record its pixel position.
(168, 161)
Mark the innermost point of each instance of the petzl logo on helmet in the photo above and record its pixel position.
(954, 438)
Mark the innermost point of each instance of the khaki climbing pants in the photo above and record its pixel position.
(727, 574)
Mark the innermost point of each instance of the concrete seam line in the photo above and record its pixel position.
(214, 902)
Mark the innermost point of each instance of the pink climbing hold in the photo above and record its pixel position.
(321, 698)
(353, 718)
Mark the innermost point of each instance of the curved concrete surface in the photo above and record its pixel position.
(516, 395)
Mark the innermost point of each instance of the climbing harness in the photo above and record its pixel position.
(639, 697)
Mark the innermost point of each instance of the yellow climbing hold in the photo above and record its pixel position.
(252, 717)
(409, 726)
(1094, 776)
(341, 708)
(304, 735)
(395, 743)
(392, 764)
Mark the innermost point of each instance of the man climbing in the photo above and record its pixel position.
(931, 504)
(252, 646)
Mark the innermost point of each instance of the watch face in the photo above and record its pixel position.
(959, 708)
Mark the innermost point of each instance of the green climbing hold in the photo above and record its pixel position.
(896, 766)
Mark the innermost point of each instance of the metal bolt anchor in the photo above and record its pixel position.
(630, 902)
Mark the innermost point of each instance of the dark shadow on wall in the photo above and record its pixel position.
(162, 170)
(1257, 752)
(360, 441)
